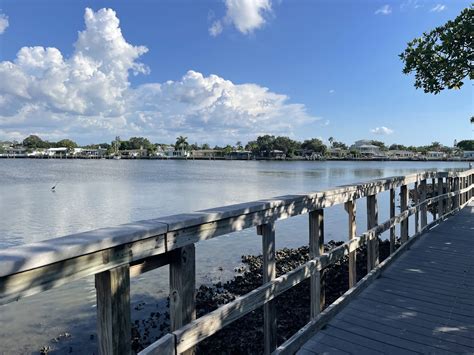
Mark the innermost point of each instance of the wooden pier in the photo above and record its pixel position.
(426, 282)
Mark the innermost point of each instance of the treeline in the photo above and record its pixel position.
(263, 145)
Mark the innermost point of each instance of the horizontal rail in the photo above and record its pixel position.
(207, 325)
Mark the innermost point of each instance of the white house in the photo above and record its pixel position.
(61, 152)
(365, 147)
(435, 155)
(401, 154)
(468, 154)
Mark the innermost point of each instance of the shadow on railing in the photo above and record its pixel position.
(114, 255)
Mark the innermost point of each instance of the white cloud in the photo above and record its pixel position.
(438, 8)
(332, 91)
(89, 96)
(3, 23)
(381, 130)
(384, 10)
(245, 15)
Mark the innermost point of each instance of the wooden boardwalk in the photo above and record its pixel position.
(422, 303)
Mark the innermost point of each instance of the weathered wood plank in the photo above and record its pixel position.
(114, 326)
(416, 199)
(351, 210)
(372, 244)
(166, 345)
(440, 192)
(316, 248)
(392, 215)
(182, 288)
(404, 207)
(424, 209)
(267, 231)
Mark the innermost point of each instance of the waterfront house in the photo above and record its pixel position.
(336, 153)
(15, 152)
(365, 148)
(468, 154)
(134, 153)
(61, 152)
(401, 154)
(205, 153)
(239, 155)
(435, 155)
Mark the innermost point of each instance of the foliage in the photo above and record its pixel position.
(315, 145)
(66, 143)
(340, 145)
(205, 146)
(181, 143)
(137, 143)
(34, 142)
(443, 57)
(466, 145)
(379, 144)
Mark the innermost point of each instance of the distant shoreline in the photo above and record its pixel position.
(256, 159)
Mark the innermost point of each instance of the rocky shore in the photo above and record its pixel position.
(245, 336)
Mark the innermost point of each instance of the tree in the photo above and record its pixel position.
(331, 140)
(466, 145)
(316, 145)
(443, 57)
(33, 142)
(336, 144)
(181, 143)
(238, 145)
(66, 143)
(205, 146)
(379, 144)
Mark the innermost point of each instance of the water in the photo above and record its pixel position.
(98, 193)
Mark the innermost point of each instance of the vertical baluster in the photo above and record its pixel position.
(183, 287)
(416, 198)
(424, 208)
(433, 194)
(316, 248)
(113, 311)
(351, 210)
(372, 221)
(267, 231)
(404, 207)
(457, 198)
(392, 214)
(440, 192)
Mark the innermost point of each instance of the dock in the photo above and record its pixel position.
(418, 299)
(422, 303)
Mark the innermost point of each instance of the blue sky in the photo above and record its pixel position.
(299, 68)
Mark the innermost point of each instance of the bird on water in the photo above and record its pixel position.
(53, 189)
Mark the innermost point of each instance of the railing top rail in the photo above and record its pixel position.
(34, 255)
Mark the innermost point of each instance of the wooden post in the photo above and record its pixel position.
(416, 197)
(372, 221)
(183, 287)
(440, 192)
(424, 209)
(456, 189)
(452, 198)
(433, 194)
(392, 214)
(316, 248)
(404, 207)
(267, 231)
(113, 311)
(350, 207)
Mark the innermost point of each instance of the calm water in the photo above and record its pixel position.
(93, 194)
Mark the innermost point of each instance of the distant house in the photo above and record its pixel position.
(277, 154)
(134, 153)
(15, 152)
(240, 155)
(336, 153)
(205, 153)
(365, 147)
(61, 152)
(170, 152)
(434, 155)
(468, 154)
(401, 154)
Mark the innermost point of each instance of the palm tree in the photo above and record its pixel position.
(181, 143)
(331, 140)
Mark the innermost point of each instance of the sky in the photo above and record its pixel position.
(222, 71)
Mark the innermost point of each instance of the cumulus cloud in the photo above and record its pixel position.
(384, 10)
(381, 130)
(438, 8)
(89, 95)
(332, 91)
(245, 15)
(3, 23)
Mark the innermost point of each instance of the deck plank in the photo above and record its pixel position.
(423, 303)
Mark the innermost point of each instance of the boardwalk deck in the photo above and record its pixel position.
(423, 303)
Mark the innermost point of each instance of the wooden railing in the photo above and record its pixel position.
(114, 255)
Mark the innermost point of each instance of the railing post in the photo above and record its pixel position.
(183, 287)
(316, 248)
(424, 208)
(404, 207)
(440, 192)
(267, 231)
(450, 190)
(350, 207)
(392, 214)
(113, 311)
(434, 192)
(457, 198)
(373, 244)
(416, 198)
